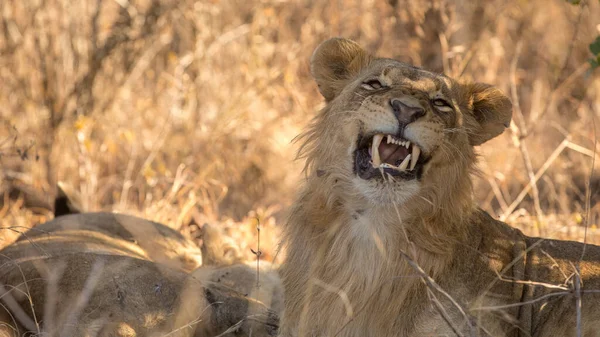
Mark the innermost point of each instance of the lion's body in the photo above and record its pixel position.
(116, 232)
(388, 298)
(374, 250)
(102, 274)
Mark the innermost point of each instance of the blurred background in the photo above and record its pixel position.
(184, 112)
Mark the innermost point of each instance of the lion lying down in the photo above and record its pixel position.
(384, 239)
(101, 274)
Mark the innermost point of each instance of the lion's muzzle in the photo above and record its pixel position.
(404, 112)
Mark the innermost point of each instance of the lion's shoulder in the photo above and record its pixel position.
(111, 233)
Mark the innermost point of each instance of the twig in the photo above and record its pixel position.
(583, 150)
(588, 193)
(258, 253)
(495, 188)
(588, 196)
(518, 304)
(533, 283)
(577, 292)
(444, 46)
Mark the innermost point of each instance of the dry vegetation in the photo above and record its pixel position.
(183, 111)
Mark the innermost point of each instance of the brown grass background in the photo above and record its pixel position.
(183, 112)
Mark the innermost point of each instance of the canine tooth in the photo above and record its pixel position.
(407, 144)
(404, 164)
(415, 156)
(375, 150)
(389, 139)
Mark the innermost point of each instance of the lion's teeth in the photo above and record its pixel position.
(404, 164)
(415, 156)
(375, 150)
(407, 144)
(390, 139)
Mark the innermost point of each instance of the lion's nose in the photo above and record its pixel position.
(406, 114)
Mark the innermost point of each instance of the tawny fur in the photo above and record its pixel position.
(416, 258)
(102, 274)
(149, 240)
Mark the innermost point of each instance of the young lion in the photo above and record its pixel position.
(385, 240)
(107, 275)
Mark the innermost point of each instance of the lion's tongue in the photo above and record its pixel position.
(392, 154)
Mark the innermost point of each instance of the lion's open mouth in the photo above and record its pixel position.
(382, 155)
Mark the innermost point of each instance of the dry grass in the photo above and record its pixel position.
(184, 111)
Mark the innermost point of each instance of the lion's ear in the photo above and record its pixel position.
(334, 62)
(491, 109)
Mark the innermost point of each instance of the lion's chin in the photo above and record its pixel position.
(382, 156)
(383, 195)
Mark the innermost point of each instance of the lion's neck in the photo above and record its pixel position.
(339, 248)
(384, 236)
(430, 223)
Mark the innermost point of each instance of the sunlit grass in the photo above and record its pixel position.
(185, 111)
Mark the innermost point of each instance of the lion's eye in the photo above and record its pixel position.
(373, 84)
(441, 103)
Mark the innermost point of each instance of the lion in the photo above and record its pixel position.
(384, 238)
(116, 233)
(103, 274)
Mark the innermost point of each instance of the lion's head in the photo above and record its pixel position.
(391, 132)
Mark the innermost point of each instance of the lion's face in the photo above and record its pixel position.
(390, 129)
(402, 122)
